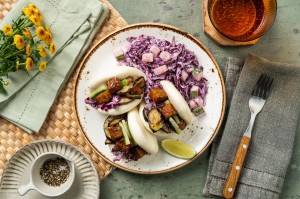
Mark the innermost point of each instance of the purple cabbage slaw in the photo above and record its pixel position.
(182, 59)
(112, 104)
(126, 155)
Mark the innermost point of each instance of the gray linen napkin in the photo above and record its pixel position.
(273, 134)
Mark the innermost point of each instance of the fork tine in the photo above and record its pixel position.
(265, 87)
(255, 90)
(269, 85)
(262, 86)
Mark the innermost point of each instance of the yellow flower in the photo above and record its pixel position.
(42, 51)
(27, 33)
(27, 12)
(7, 29)
(35, 20)
(48, 30)
(32, 6)
(48, 39)
(39, 15)
(28, 50)
(19, 42)
(29, 64)
(32, 11)
(41, 33)
(42, 66)
(52, 48)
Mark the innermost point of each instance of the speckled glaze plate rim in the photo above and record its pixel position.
(163, 27)
(53, 141)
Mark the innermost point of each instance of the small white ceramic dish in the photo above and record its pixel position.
(39, 185)
(17, 172)
(199, 135)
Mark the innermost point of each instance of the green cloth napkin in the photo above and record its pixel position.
(73, 26)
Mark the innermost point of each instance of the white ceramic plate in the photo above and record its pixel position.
(199, 135)
(17, 172)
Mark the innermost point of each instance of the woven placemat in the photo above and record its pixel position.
(61, 121)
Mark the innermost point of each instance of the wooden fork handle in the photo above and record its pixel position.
(236, 168)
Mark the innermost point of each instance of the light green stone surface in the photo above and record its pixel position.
(281, 43)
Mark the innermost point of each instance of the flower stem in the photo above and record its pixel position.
(16, 53)
(6, 47)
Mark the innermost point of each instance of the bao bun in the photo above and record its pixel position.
(178, 103)
(141, 136)
(121, 72)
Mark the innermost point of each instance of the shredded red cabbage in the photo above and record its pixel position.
(119, 155)
(112, 104)
(126, 155)
(182, 59)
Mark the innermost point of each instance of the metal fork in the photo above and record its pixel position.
(256, 103)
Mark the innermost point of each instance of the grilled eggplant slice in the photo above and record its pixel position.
(108, 141)
(140, 82)
(126, 88)
(125, 100)
(138, 86)
(114, 122)
(155, 120)
(133, 96)
(110, 123)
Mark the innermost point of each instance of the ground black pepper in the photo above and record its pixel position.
(55, 172)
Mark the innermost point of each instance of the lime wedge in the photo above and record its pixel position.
(178, 149)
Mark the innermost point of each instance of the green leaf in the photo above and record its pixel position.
(1, 36)
(36, 55)
(3, 66)
(2, 89)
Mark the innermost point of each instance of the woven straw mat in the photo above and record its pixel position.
(61, 121)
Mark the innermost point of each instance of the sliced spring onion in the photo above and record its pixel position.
(176, 118)
(125, 124)
(166, 102)
(99, 90)
(124, 82)
(119, 54)
(197, 74)
(198, 111)
(194, 92)
(125, 133)
(175, 125)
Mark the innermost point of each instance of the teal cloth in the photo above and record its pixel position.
(73, 26)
